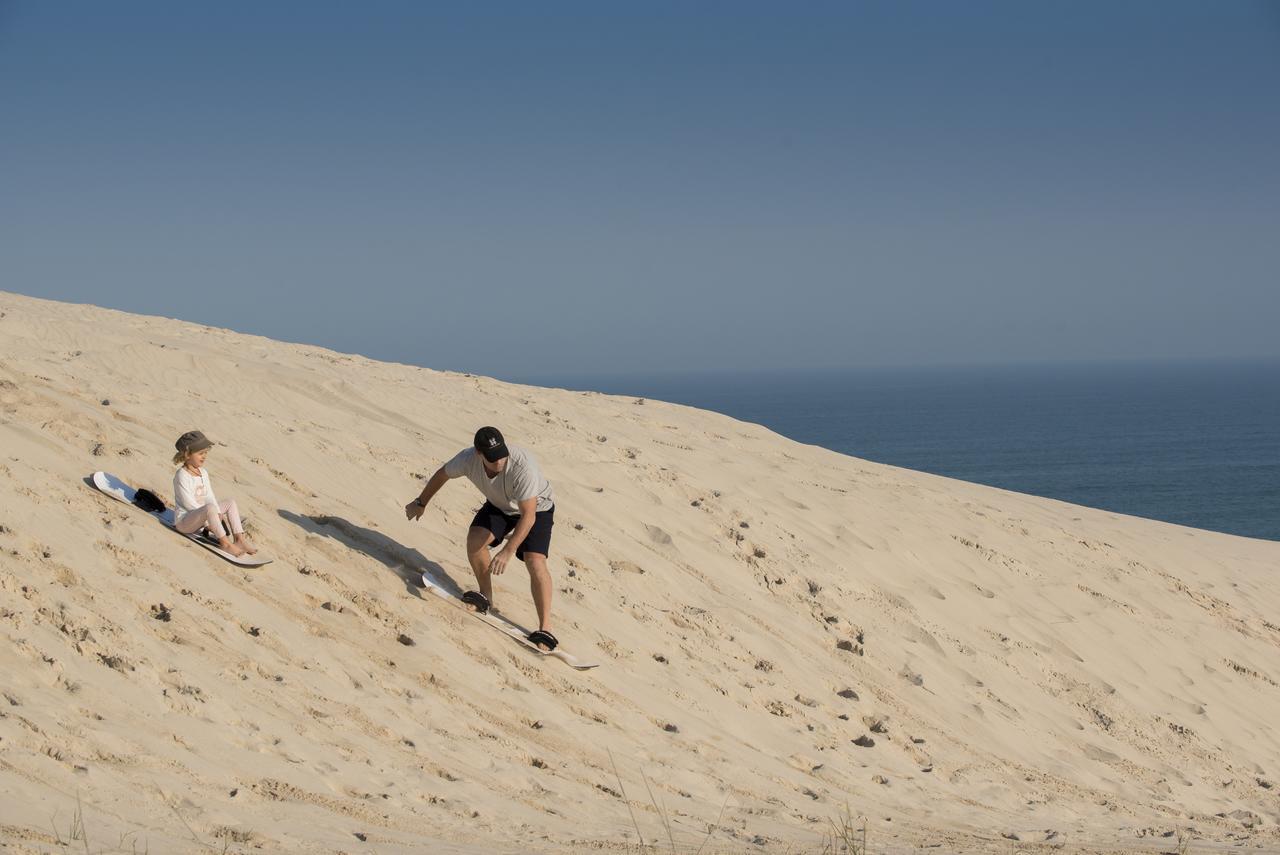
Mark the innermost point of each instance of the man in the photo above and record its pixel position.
(518, 503)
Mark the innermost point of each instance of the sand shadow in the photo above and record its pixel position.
(406, 563)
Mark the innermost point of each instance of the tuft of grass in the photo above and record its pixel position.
(77, 825)
(133, 844)
(663, 814)
(712, 826)
(75, 831)
(78, 832)
(622, 789)
(846, 835)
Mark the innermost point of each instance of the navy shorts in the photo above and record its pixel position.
(494, 520)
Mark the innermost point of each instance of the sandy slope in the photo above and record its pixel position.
(1022, 666)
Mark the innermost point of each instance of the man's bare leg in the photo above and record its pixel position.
(540, 587)
(478, 540)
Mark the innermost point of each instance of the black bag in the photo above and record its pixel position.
(149, 501)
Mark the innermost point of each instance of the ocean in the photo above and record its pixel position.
(1196, 444)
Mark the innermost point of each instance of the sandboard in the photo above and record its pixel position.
(117, 489)
(507, 627)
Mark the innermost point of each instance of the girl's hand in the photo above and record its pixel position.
(414, 510)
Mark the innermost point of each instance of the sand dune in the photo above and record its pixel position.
(782, 631)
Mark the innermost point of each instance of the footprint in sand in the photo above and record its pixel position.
(658, 536)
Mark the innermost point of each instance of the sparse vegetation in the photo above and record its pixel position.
(76, 830)
(663, 815)
(846, 835)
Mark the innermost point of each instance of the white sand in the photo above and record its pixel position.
(1024, 666)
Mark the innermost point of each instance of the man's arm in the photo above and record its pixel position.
(413, 510)
(528, 515)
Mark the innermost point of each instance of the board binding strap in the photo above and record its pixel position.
(506, 627)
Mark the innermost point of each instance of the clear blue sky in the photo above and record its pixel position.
(532, 188)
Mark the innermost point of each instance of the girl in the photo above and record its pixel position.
(197, 506)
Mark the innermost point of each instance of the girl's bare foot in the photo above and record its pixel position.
(227, 546)
(244, 541)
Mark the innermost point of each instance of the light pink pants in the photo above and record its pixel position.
(210, 517)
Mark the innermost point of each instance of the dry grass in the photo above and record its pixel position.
(845, 835)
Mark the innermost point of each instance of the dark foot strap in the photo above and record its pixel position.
(543, 638)
(477, 601)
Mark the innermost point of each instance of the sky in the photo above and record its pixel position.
(533, 189)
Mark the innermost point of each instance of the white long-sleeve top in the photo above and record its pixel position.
(191, 493)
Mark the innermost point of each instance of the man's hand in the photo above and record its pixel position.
(499, 561)
(414, 510)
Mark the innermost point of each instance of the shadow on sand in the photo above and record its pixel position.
(407, 564)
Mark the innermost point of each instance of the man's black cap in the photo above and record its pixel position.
(489, 442)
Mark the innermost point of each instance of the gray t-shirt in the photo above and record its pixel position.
(520, 480)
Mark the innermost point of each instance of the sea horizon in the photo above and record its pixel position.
(1186, 441)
